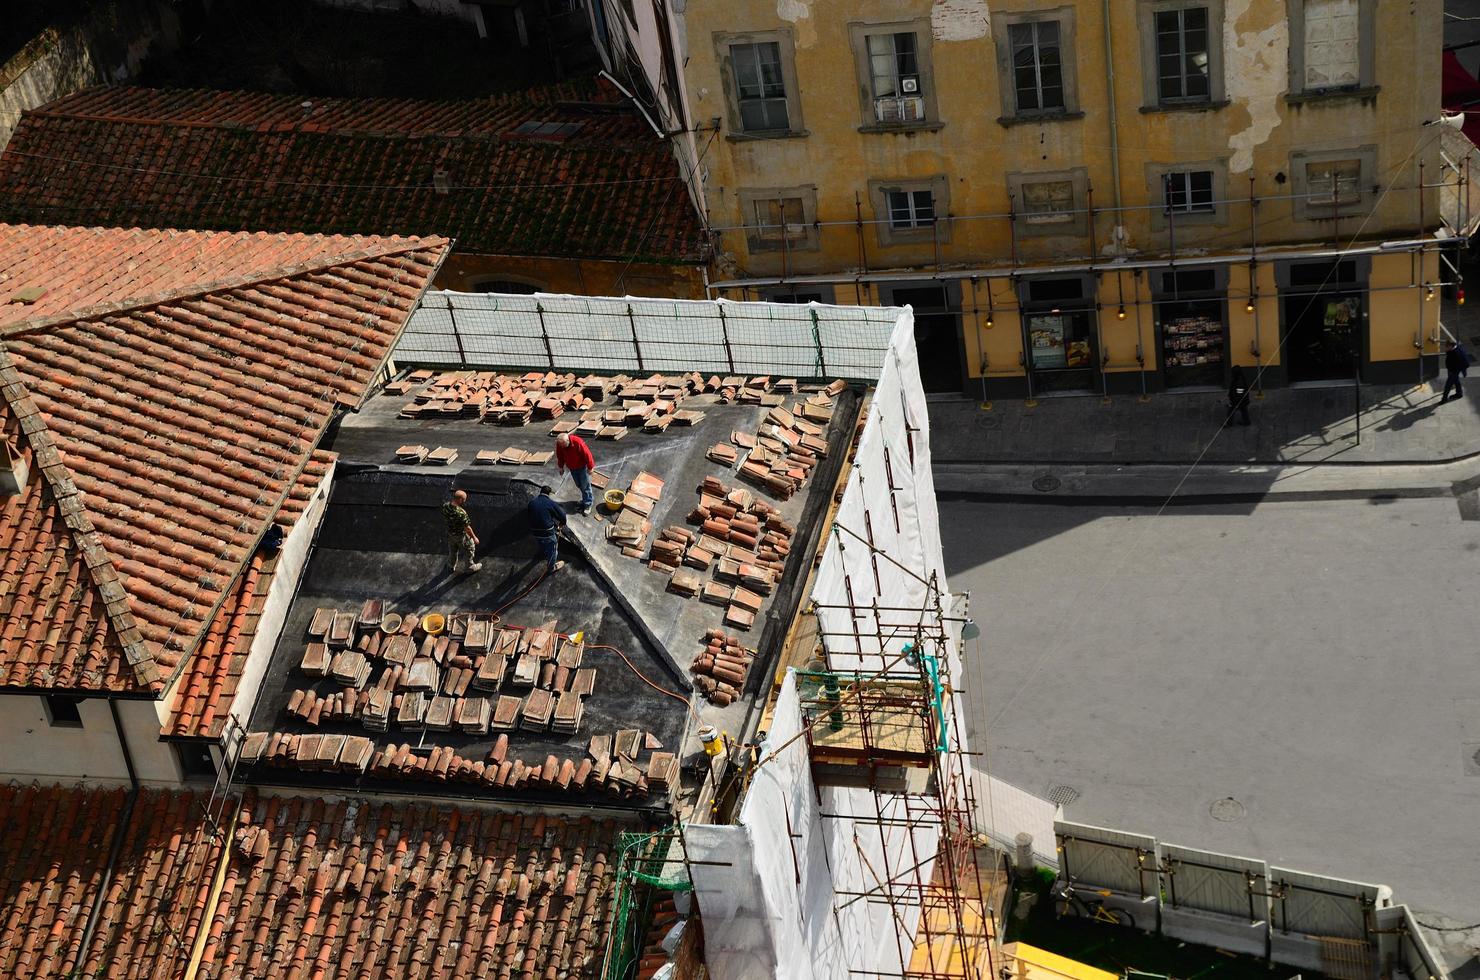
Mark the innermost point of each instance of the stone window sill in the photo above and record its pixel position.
(916, 127)
(1333, 95)
(1027, 118)
(1185, 107)
(793, 134)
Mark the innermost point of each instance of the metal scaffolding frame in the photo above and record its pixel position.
(861, 718)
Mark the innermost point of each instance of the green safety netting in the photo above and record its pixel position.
(646, 864)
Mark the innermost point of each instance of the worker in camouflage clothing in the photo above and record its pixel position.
(461, 541)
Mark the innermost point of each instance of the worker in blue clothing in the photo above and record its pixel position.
(546, 520)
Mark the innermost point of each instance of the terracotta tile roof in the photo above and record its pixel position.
(311, 887)
(54, 849)
(169, 427)
(54, 629)
(232, 160)
(208, 681)
(414, 891)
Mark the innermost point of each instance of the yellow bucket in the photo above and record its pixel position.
(433, 624)
(612, 500)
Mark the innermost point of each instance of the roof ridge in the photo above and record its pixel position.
(271, 274)
(68, 499)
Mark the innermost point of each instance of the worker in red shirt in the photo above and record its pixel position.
(572, 453)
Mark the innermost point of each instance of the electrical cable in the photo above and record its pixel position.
(640, 674)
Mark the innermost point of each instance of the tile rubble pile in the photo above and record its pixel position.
(629, 530)
(742, 540)
(721, 668)
(651, 404)
(781, 454)
(476, 678)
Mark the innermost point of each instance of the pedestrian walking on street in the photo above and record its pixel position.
(461, 540)
(1238, 397)
(572, 453)
(1456, 366)
(546, 520)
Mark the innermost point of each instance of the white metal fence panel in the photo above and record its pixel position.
(1320, 906)
(1106, 858)
(1212, 882)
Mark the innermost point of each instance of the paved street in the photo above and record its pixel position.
(1313, 659)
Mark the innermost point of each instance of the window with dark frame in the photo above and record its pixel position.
(1331, 183)
(1037, 66)
(909, 210)
(62, 711)
(1188, 192)
(780, 218)
(1182, 56)
(760, 89)
(894, 76)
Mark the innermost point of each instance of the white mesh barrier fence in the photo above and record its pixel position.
(615, 335)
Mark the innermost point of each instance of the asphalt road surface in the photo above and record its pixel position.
(1315, 662)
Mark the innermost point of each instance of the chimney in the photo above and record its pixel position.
(13, 470)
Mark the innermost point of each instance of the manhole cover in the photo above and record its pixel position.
(1227, 810)
(1063, 795)
(1046, 484)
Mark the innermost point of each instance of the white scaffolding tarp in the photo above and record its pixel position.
(825, 882)
(609, 334)
(765, 886)
(885, 546)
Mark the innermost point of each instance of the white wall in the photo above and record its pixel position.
(291, 561)
(31, 748)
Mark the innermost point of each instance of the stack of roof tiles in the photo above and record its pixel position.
(309, 887)
(477, 677)
(599, 185)
(167, 389)
(721, 668)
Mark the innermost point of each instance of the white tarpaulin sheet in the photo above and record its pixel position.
(768, 912)
(804, 896)
(885, 543)
(609, 334)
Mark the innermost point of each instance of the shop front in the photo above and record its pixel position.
(1323, 318)
(1059, 334)
(1191, 314)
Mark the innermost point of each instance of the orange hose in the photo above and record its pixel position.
(521, 595)
(640, 674)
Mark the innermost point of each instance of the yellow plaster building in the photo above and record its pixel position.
(1077, 195)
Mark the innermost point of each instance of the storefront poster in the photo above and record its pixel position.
(1047, 336)
(1341, 312)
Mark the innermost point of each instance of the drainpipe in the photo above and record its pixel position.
(124, 822)
(1118, 232)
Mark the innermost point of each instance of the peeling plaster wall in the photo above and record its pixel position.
(960, 20)
(1257, 65)
(975, 144)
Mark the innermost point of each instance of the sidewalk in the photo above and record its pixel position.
(1399, 424)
